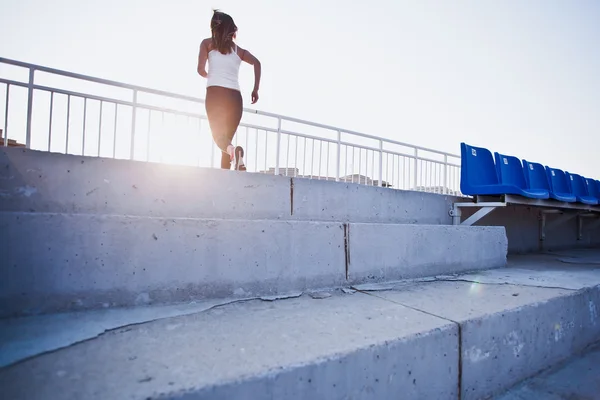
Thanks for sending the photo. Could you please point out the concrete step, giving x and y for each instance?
(34, 181)
(441, 339)
(61, 262)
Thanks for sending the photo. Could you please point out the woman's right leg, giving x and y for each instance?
(224, 111)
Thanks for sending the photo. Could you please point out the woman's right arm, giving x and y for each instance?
(202, 57)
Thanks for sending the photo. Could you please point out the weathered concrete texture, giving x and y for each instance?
(382, 345)
(35, 181)
(508, 333)
(350, 346)
(525, 341)
(347, 202)
(24, 337)
(58, 262)
(386, 252)
(578, 379)
(522, 229)
(553, 273)
(68, 262)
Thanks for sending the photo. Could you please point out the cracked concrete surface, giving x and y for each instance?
(22, 338)
(537, 270)
(297, 348)
(519, 319)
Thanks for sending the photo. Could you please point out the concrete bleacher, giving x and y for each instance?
(467, 336)
(123, 233)
(563, 204)
(126, 279)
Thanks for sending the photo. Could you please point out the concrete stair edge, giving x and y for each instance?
(62, 262)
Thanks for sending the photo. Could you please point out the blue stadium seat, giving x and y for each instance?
(593, 188)
(579, 189)
(536, 178)
(510, 173)
(559, 187)
(478, 174)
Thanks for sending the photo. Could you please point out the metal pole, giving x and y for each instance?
(115, 131)
(312, 159)
(29, 107)
(339, 155)
(320, 156)
(304, 158)
(68, 118)
(445, 174)
(100, 127)
(373, 165)
(277, 150)
(416, 167)
(134, 112)
(380, 163)
(50, 122)
(83, 134)
(6, 116)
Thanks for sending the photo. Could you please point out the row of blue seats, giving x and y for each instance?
(480, 175)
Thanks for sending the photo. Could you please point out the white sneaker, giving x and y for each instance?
(239, 159)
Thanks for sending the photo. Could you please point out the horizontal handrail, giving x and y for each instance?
(100, 80)
(203, 116)
(200, 100)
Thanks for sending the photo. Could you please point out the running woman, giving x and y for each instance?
(223, 98)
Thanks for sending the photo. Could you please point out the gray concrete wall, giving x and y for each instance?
(525, 341)
(346, 202)
(34, 181)
(511, 330)
(389, 252)
(58, 262)
(522, 229)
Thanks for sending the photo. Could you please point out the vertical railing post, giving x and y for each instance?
(29, 107)
(50, 122)
(445, 174)
(339, 156)
(380, 163)
(6, 115)
(278, 148)
(133, 115)
(415, 169)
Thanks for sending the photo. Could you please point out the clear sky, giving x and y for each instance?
(516, 76)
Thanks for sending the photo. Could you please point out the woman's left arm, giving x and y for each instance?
(252, 60)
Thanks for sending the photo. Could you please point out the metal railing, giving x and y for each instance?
(66, 112)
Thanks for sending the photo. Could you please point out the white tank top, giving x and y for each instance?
(223, 69)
